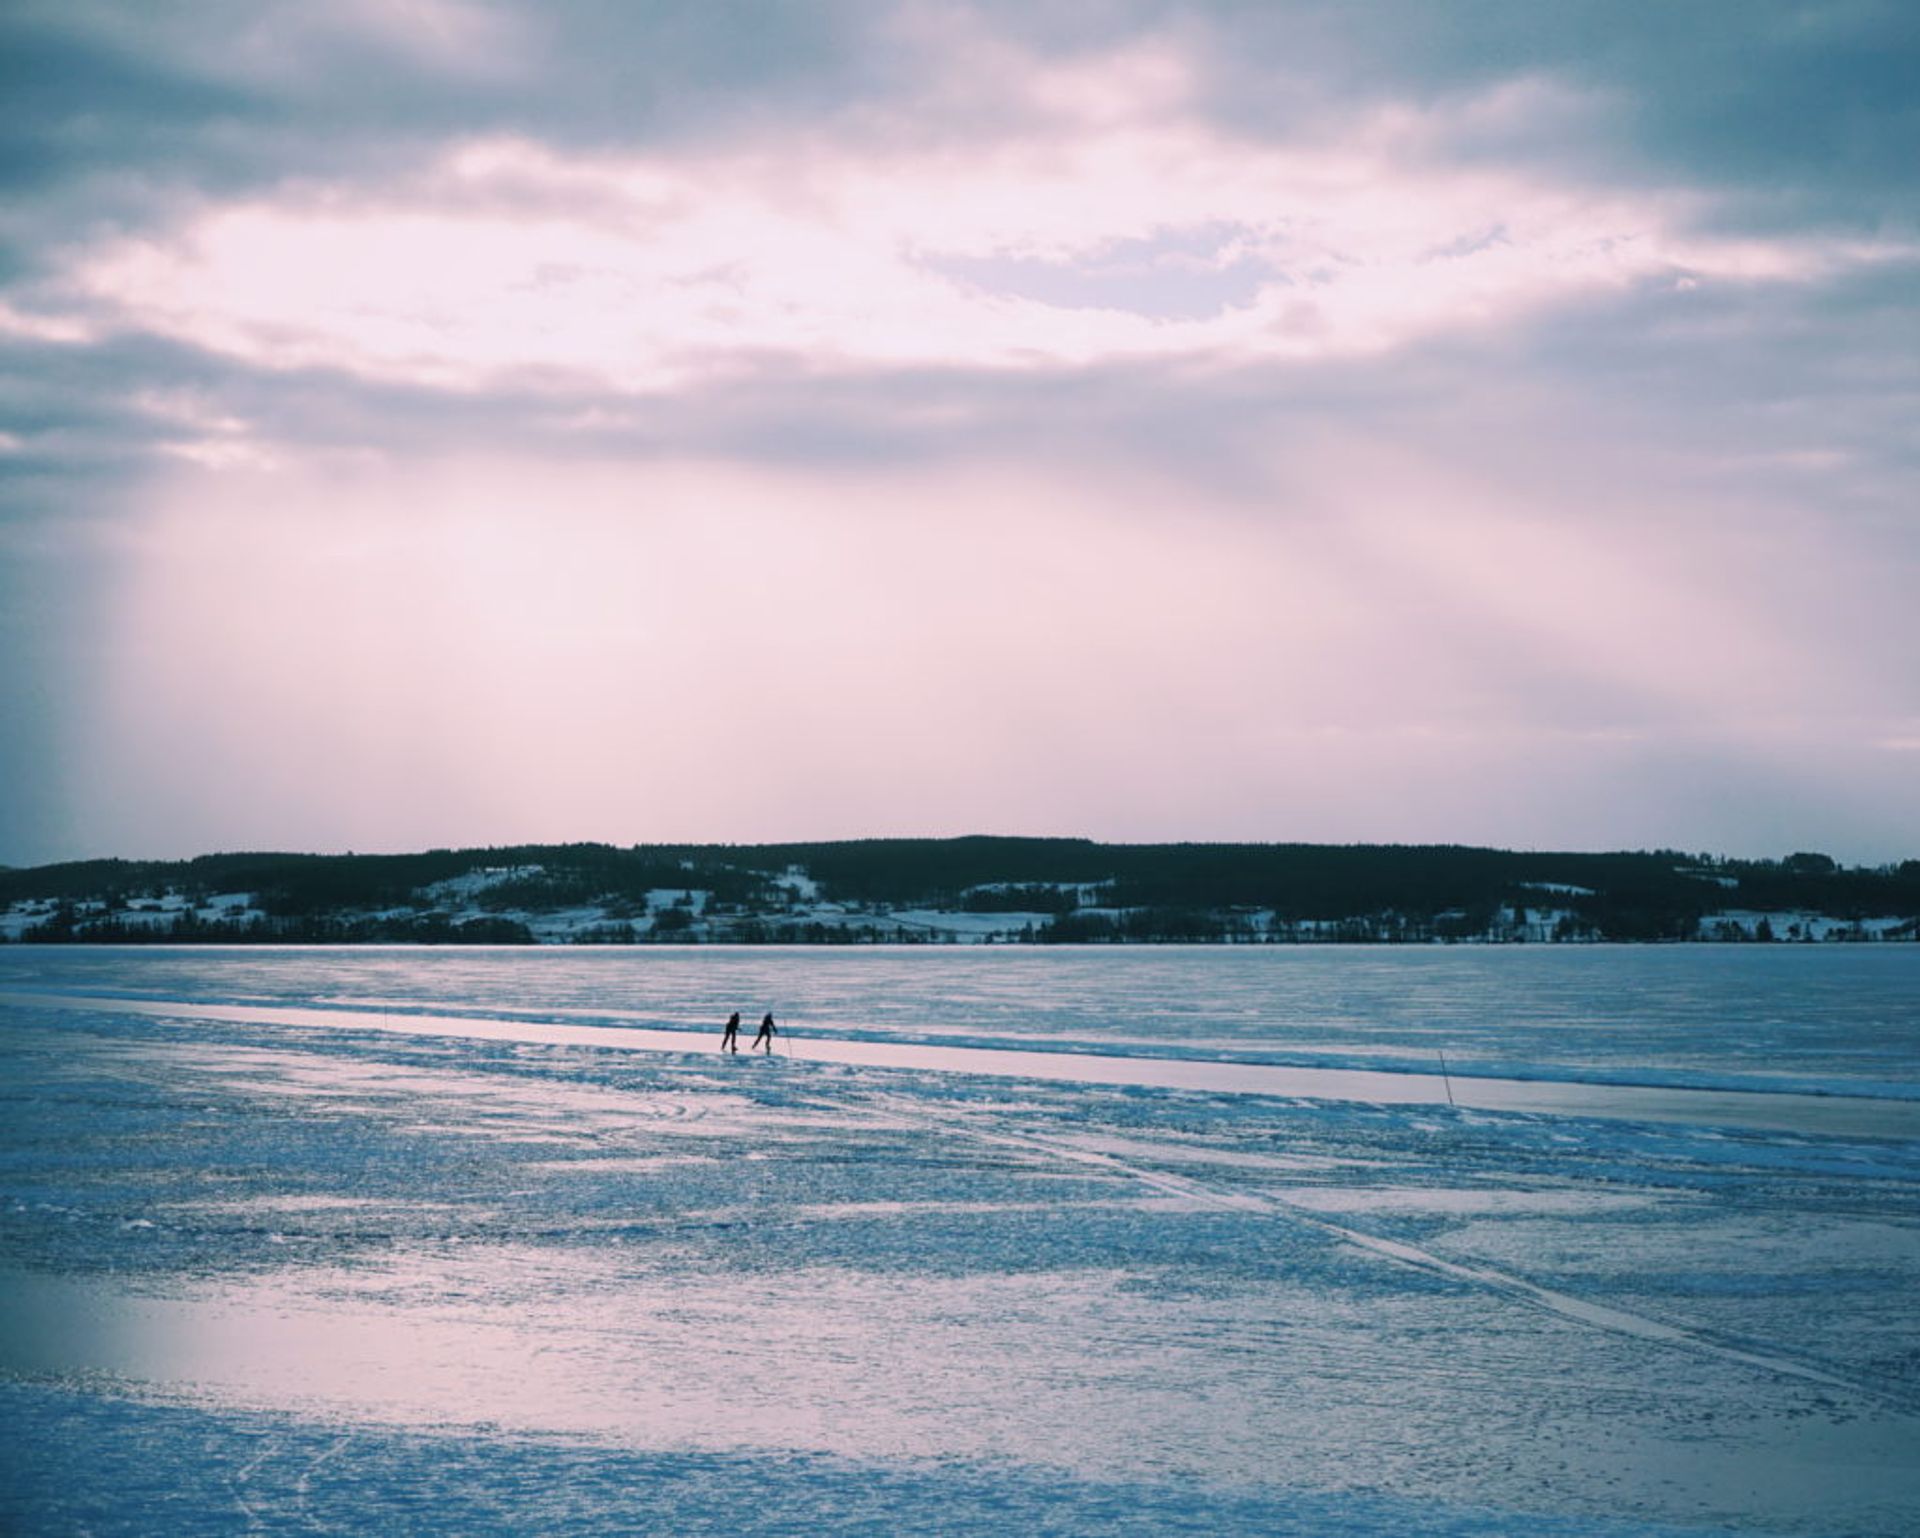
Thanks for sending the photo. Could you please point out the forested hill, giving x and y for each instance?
(962, 889)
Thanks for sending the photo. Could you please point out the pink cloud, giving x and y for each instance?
(639, 272)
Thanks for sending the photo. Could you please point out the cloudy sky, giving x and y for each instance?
(449, 421)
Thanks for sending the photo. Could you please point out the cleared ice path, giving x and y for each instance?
(1841, 1115)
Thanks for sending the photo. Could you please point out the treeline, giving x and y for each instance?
(1077, 890)
(294, 885)
(1648, 892)
(68, 923)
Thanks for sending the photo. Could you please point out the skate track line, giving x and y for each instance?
(1594, 1315)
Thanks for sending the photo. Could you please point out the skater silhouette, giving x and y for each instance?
(768, 1030)
(730, 1037)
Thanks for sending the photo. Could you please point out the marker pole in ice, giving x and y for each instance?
(1446, 1079)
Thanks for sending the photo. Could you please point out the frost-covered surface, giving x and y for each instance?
(1842, 1018)
(279, 1278)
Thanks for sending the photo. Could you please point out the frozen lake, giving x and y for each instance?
(1010, 1240)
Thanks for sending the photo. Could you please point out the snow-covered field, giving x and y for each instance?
(467, 1241)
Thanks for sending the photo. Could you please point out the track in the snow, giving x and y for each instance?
(1595, 1315)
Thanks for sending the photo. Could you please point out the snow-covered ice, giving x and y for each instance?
(267, 1261)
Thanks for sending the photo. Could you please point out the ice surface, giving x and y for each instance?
(1884, 1114)
(259, 1274)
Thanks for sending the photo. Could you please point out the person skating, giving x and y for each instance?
(768, 1030)
(730, 1038)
